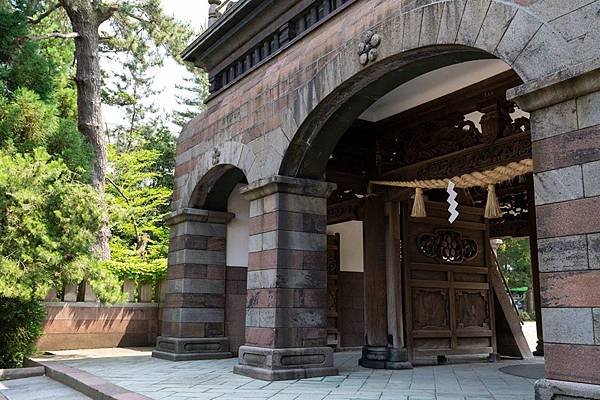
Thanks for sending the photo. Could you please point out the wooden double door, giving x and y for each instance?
(448, 299)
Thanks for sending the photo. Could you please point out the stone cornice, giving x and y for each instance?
(197, 215)
(286, 184)
(565, 85)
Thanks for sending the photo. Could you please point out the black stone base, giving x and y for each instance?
(186, 349)
(283, 364)
(548, 389)
(384, 358)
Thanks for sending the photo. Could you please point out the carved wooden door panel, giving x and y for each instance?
(446, 273)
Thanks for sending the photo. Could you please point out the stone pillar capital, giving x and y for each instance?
(572, 83)
(287, 184)
(197, 215)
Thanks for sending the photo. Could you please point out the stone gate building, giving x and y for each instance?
(313, 100)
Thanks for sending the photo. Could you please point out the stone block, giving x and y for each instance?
(287, 278)
(520, 31)
(190, 256)
(497, 21)
(572, 362)
(596, 313)
(567, 253)
(558, 185)
(578, 147)
(591, 178)
(548, 389)
(413, 21)
(588, 110)
(193, 315)
(204, 286)
(450, 21)
(70, 292)
(432, 17)
(474, 14)
(568, 325)
(554, 120)
(186, 349)
(285, 364)
(146, 292)
(570, 289)
(568, 218)
(593, 243)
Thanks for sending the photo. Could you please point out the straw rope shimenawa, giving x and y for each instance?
(486, 178)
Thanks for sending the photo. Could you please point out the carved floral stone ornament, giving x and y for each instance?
(448, 246)
(216, 157)
(367, 48)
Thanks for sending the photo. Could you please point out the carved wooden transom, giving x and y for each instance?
(447, 246)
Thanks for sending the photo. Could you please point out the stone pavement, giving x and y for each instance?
(208, 380)
(38, 388)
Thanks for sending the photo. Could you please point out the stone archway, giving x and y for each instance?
(194, 314)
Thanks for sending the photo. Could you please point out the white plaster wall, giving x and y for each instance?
(351, 244)
(432, 85)
(237, 229)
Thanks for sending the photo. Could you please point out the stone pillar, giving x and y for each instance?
(193, 317)
(286, 316)
(565, 117)
(379, 350)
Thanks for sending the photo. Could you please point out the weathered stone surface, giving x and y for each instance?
(568, 325)
(432, 17)
(287, 278)
(412, 28)
(497, 21)
(189, 285)
(548, 389)
(571, 289)
(591, 178)
(558, 185)
(472, 19)
(596, 313)
(520, 31)
(568, 149)
(451, 18)
(193, 315)
(568, 218)
(196, 257)
(593, 242)
(568, 253)
(572, 362)
(554, 120)
(588, 110)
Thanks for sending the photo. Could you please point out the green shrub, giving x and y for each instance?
(21, 321)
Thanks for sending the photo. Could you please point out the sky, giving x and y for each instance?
(194, 12)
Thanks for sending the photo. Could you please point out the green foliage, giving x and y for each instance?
(21, 321)
(48, 222)
(138, 202)
(514, 257)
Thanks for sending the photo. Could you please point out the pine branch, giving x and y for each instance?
(59, 35)
(42, 16)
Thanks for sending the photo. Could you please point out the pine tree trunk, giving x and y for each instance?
(85, 20)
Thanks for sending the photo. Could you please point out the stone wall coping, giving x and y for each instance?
(548, 389)
(198, 215)
(93, 304)
(567, 84)
(287, 184)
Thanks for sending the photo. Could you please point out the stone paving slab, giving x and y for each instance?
(38, 388)
(207, 380)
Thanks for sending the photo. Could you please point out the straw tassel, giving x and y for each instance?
(418, 210)
(492, 208)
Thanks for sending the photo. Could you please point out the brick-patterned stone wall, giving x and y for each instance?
(70, 326)
(235, 307)
(287, 278)
(286, 315)
(566, 151)
(193, 314)
(252, 123)
(351, 306)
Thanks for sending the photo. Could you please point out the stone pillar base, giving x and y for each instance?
(384, 358)
(282, 364)
(548, 389)
(185, 349)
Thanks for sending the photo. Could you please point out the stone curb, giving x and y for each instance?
(18, 373)
(86, 383)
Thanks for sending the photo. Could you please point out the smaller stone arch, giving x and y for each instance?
(213, 190)
(214, 165)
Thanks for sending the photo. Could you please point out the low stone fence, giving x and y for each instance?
(71, 324)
